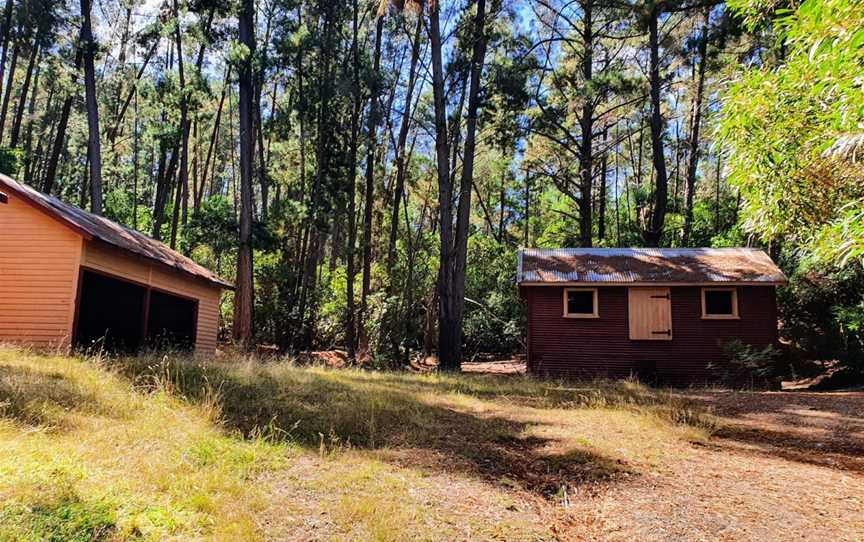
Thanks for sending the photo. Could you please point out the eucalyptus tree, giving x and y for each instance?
(244, 293)
(94, 145)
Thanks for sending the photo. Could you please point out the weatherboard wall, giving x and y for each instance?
(559, 346)
(39, 260)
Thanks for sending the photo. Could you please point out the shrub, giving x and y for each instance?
(822, 316)
(746, 363)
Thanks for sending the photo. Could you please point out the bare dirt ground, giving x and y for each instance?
(786, 466)
(780, 466)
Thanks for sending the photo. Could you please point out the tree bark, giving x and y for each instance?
(586, 123)
(351, 335)
(244, 294)
(263, 181)
(183, 179)
(601, 207)
(135, 164)
(60, 138)
(400, 156)
(112, 134)
(7, 27)
(212, 143)
(13, 62)
(454, 248)
(448, 341)
(693, 141)
(94, 147)
(369, 189)
(654, 232)
(29, 158)
(22, 97)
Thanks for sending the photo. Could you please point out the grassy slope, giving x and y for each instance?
(149, 448)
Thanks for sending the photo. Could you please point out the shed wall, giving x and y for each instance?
(601, 347)
(39, 260)
(112, 261)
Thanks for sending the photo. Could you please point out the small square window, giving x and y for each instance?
(719, 303)
(580, 303)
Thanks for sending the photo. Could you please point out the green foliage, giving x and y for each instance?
(822, 313)
(10, 160)
(332, 312)
(746, 364)
(781, 124)
(213, 225)
(494, 314)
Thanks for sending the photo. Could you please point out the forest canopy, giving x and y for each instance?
(365, 171)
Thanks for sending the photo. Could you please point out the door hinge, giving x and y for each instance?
(667, 332)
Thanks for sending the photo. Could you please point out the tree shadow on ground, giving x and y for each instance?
(330, 409)
(822, 429)
(44, 399)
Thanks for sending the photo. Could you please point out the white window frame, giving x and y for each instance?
(733, 316)
(594, 314)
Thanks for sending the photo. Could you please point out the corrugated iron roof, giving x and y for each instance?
(653, 265)
(96, 227)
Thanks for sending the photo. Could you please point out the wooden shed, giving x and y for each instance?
(67, 275)
(661, 314)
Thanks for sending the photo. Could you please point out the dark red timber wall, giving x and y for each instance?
(573, 347)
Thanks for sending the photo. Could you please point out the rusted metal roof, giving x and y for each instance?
(91, 226)
(647, 265)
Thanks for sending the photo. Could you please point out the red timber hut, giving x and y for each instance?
(661, 314)
(69, 276)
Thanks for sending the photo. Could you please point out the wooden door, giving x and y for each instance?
(650, 312)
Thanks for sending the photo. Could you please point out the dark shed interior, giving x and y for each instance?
(121, 316)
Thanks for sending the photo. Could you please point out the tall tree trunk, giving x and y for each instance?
(693, 141)
(135, 164)
(7, 28)
(323, 160)
(448, 341)
(654, 232)
(183, 179)
(212, 144)
(369, 188)
(502, 199)
(263, 181)
(717, 193)
(350, 327)
(165, 177)
(29, 158)
(13, 62)
(601, 213)
(454, 247)
(400, 156)
(94, 147)
(244, 294)
(463, 217)
(197, 188)
(60, 139)
(617, 194)
(112, 134)
(527, 241)
(586, 123)
(22, 97)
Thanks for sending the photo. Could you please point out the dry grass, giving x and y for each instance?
(173, 448)
(83, 456)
